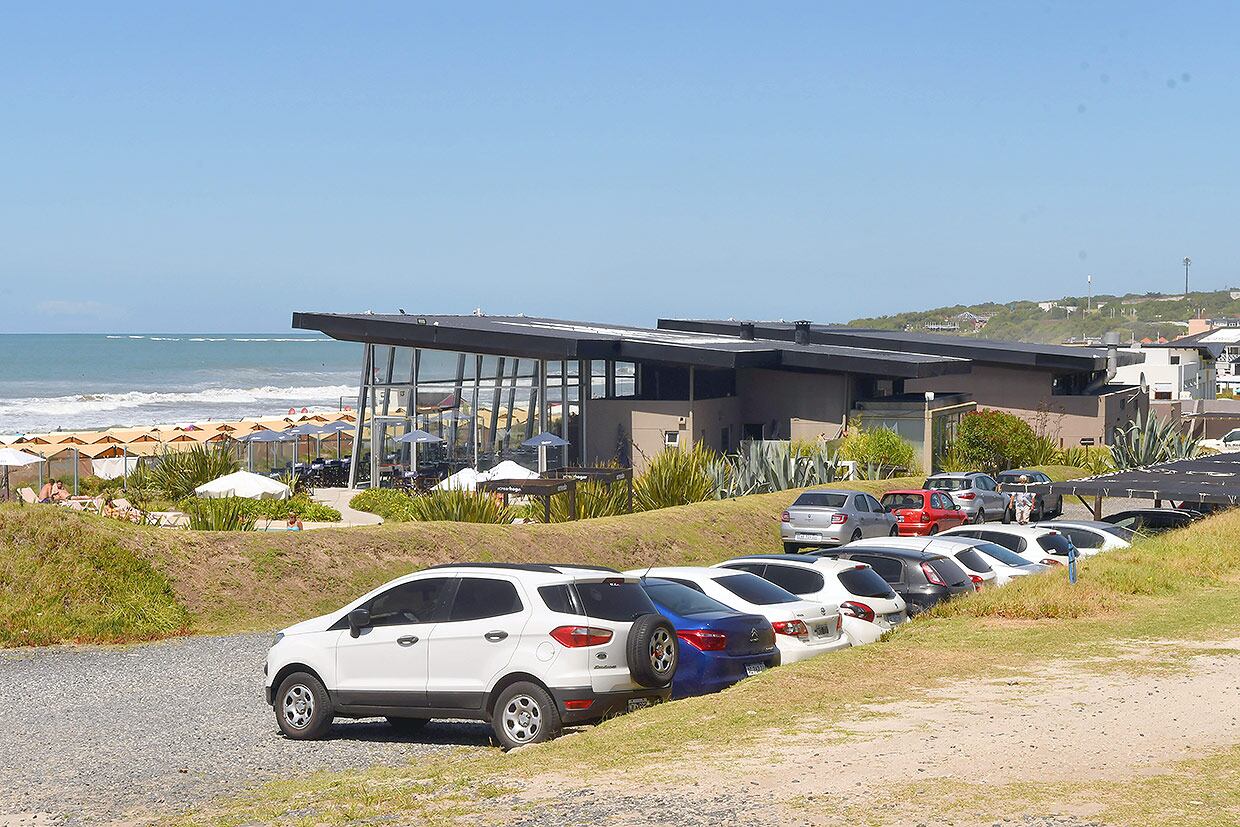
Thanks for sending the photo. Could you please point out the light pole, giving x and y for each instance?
(1188, 262)
(1089, 302)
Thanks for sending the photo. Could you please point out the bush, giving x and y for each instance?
(392, 505)
(676, 477)
(227, 514)
(993, 441)
(594, 499)
(461, 507)
(878, 448)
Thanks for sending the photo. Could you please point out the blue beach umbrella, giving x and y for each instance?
(263, 436)
(417, 437)
(542, 442)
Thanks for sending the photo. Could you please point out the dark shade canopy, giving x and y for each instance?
(1212, 479)
(267, 436)
(338, 426)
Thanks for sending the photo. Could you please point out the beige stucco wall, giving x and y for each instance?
(802, 405)
(1026, 392)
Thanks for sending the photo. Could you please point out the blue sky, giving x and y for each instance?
(215, 167)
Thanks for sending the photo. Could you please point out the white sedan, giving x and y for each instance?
(1091, 537)
(868, 603)
(1035, 544)
(803, 628)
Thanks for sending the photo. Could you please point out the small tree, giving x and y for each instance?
(877, 448)
(994, 441)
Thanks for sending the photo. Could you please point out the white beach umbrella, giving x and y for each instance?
(244, 484)
(508, 470)
(464, 480)
(13, 458)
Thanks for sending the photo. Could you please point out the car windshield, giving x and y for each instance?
(753, 589)
(1055, 544)
(949, 484)
(682, 600)
(899, 501)
(614, 600)
(1005, 556)
(817, 499)
(863, 581)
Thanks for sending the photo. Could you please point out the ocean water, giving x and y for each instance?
(79, 381)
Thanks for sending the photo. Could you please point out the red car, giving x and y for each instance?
(920, 512)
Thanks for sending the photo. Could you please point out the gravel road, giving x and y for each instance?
(92, 735)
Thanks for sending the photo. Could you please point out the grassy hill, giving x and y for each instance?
(1133, 315)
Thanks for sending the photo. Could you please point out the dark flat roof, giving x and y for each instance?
(529, 337)
(985, 351)
(1212, 479)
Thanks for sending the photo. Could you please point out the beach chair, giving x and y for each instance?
(27, 495)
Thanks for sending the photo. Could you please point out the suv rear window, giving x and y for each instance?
(558, 599)
(753, 589)
(1055, 544)
(865, 583)
(820, 500)
(951, 573)
(614, 600)
(682, 600)
(949, 484)
(973, 561)
(896, 501)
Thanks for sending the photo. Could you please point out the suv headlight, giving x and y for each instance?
(279, 637)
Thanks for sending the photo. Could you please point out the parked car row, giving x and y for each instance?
(532, 648)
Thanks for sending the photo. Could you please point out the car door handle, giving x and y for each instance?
(495, 637)
(407, 640)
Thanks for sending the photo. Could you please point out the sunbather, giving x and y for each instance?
(53, 491)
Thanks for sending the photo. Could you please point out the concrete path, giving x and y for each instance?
(338, 498)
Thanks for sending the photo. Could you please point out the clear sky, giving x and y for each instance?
(215, 167)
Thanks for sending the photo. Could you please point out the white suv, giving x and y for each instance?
(528, 648)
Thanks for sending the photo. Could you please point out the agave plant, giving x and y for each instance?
(1151, 441)
(176, 474)
(761, 467)
(228, 514)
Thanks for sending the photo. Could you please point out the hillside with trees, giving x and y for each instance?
(1134, 316)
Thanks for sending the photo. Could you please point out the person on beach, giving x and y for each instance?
(53, 491)
(1024, 503)
(294, 522)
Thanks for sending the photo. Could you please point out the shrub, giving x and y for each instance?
(227, 514)
(175, 474)
(994, 441)
(392, 505)
(1094, 459)
(878, 448)
(461, 507)
(594, 499)
(301, 505)
(676, 477)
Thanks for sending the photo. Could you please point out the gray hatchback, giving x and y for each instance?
(825, 517)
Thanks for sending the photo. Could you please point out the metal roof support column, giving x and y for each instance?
(564, 410)
(356, 455)
(413, 405)
(512, 401)
(457, 388)
(473, 413)
(585, 382)
(496, 400)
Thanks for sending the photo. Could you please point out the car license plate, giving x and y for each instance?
(802, 536)
(894, 618)
(638, 703)
(823, 630)
(752, 669)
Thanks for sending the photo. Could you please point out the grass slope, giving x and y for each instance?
(66, 576)
(1136, 594)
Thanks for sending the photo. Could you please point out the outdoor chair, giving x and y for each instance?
(28, 496)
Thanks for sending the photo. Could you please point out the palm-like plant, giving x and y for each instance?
(676, 477)
(460, 506)
(228, 514)
(1151, 441)
(176, 474)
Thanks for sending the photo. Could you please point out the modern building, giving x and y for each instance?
(1181, 369)
(486, 384)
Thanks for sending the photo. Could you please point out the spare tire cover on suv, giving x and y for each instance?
(653, 651)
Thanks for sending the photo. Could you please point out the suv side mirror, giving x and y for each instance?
(358, 619)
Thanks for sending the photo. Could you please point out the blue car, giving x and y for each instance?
(718, 645)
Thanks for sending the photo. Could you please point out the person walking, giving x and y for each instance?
(1024, 503)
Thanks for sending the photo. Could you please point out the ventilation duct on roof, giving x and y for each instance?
(800, 332)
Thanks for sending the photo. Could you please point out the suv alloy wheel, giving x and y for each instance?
(303, 708)
(525, 714)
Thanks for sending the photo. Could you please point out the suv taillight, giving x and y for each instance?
(932, 575)
(837, 519)
(859, 610)
(785, 517)
(704, 639)
(577, 636)
(977, 581)
(792, 628)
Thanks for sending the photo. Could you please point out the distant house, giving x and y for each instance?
(969, 319)
(943, 327)
(1047, 307)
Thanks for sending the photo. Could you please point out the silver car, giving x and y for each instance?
(975, 493)
(833, 518)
